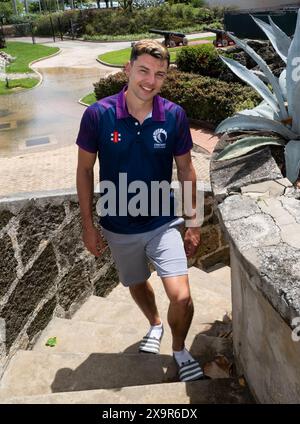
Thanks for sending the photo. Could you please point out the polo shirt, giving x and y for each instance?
(143, 152)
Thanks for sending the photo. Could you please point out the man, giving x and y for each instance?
(137, 134)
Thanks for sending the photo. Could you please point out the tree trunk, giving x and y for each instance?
(26, 5)
(14, 3)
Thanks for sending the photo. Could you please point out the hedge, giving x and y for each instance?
(121, 22)
(204, 59)
(203, 98)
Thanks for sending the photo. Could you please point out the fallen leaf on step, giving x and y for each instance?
(51, 342)
(220, 367)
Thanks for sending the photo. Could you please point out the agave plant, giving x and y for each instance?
(276, 120)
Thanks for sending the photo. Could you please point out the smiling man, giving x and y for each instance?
(137, 134)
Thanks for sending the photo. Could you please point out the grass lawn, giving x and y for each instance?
(26, 53)
(89, 99)
(16, 84)
(120, 57)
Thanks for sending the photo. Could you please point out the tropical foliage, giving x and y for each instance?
(277, 118)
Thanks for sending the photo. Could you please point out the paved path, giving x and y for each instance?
(54, 167)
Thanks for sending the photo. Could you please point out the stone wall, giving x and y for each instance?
(259, 211)
(213, 248)
(45, 270)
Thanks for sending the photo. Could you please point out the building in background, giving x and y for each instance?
(253, 4)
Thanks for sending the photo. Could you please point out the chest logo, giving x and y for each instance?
(115, 137)
(160, 137)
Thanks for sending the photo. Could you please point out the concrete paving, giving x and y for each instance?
(52, 166)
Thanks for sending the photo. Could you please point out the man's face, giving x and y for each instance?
(146, 75)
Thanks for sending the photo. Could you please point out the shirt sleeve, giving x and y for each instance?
(183, 142)
(88, 136)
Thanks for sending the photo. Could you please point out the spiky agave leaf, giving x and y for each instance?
(296, 108)
(283, 41)
(267, 71)
(279, 40)
(292, 67)
(263, 109)
(292, 159)
(246, 145)
(244, 122)
(282, 83)
(244, 74)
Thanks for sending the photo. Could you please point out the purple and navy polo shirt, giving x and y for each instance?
(144, 151)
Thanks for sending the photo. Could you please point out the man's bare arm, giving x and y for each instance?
(85, 189)
(186, 172)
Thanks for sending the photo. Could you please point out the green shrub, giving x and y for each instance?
(110, 85)
(203, 98)
(121, 22)
(89, 29)
(197, 3)
(204, 59)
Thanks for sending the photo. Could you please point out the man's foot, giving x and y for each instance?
(151, 342)
(188, 368)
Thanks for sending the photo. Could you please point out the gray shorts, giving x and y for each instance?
(162, 246)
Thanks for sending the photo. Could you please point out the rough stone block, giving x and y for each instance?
(31, 288)
(74, 286)
(37, 225)
(104, 285)
(254, 231)
(69, 243)
(231, 175)
(263, 189)
(290, 235)
(5, 217)
(8, 264)
(210, 241)
(236, 207)
(292, 205)
(42, 318)
(274, 208)
(220, 256)
(280, 268)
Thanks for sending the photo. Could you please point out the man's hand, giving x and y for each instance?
(191, 241)
(93, 241)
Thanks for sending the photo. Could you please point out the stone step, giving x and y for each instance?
(36, 373)
(89, 337)
(206, 310)
(219, 391)
(211, 296)
(217, 281)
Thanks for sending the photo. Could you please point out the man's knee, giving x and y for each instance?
(182, 300)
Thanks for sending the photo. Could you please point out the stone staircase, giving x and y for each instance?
(96, 357)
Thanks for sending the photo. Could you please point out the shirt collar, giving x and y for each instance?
(158, 113)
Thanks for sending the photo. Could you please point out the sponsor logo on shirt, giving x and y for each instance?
(160, 137)
(115, 137)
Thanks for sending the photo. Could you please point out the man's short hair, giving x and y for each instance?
(151, 47)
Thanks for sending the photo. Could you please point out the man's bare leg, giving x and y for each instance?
(181, 309)
(144, 297)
